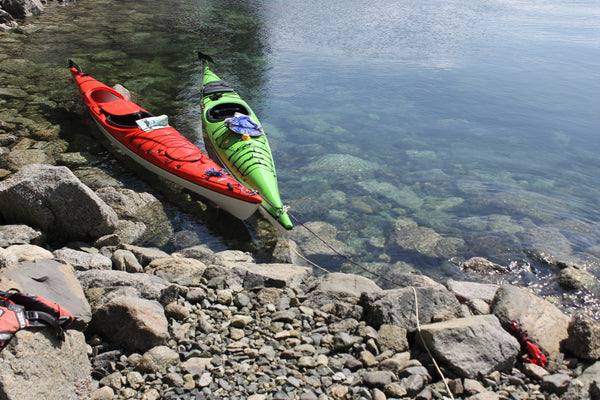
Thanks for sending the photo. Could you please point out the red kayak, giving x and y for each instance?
(151, 142)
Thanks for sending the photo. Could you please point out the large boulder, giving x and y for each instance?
(543, 321)
(23, 8)
(54, 200)
(136, 324)
(6, 21)
(399, 306)
(472, 346)
(36, 365)
(53, 281)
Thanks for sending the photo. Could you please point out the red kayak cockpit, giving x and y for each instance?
(119, 111)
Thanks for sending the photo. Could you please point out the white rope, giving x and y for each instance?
(425, 345)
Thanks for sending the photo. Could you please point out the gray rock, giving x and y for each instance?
(149, 286)
(182, 271)
(54, 200)
(392, 337)
(556, 383)
(406, 234)
(158, 359)
(7, 258)
(572, 278)
(137, 324)
(36, 365)
(544, 322)
(339, 287)
(23, 8)
(584, 337)
(378, 379)
(125, 260)
(20, 234)
(29, 252)
(53, 281)
(145, 255)
(397, 306)
(6, 24)
(270, 275)
(20, 158)
(472, 346)
(482, 265)
(469, 291)
(81, 260)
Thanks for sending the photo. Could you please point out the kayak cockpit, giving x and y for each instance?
(119, 111)
(222, 111)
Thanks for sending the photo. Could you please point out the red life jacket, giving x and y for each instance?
(533, 354)
(20, 310)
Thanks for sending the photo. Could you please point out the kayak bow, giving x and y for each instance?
(158, 147)
(236, 140)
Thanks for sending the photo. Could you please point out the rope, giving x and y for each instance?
(425, 345)
(362, 267)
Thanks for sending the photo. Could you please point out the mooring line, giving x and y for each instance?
(362, 267)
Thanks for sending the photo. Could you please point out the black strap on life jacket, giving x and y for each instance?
(20, 311)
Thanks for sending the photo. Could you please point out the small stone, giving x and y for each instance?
(339, 391)
(236, 334)
(151, 394)
(557, 383)
(367, 359)
(378, 378)
(307, 362)
(135, 380)
(241, 321)
(104, 393)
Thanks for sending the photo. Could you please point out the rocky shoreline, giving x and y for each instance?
(204, 324)
(198, 324)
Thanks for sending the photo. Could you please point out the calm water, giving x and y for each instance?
(476, 120)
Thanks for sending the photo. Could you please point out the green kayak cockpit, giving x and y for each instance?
(222, 111)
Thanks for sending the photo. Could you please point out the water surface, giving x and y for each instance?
(476, 124)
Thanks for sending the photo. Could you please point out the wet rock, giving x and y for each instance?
(472, 346)
(572, 278)
(95, 178)
(407, 235)
(53, 281)
(397, 306)
(36, 364)
(19, 158)
(544, 322)
(137, 324)
(482, 265)
(53, 199)
(315, 249)
(584, 337)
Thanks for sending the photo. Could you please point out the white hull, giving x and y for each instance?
(238, 208)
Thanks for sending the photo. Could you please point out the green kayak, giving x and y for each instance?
(235, 139)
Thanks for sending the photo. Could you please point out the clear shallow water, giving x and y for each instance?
(476, 122)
